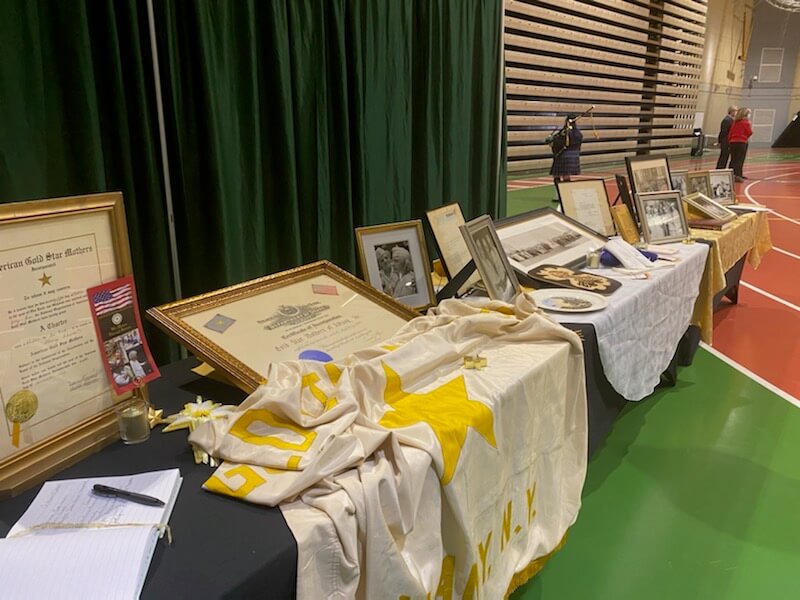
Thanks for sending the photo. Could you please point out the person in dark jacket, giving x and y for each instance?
(722, 138)
(566, 146)
(738, 137)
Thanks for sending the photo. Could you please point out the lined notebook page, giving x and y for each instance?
(72, 501)
(79, 564)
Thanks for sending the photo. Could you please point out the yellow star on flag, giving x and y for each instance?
(45, 279)
(447, 410)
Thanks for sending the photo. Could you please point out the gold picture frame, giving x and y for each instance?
(400, 247)
(663, 217)
(56, 405)
(241, 329)
(723, 190)
(698, 182)
(586, 201)
(709, 208)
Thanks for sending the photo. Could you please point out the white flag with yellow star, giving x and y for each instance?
(401, 473)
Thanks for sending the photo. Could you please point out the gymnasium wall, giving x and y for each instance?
(637, 61)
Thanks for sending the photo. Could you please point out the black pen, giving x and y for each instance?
(105, 490)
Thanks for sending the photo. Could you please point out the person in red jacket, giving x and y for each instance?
(740, 133)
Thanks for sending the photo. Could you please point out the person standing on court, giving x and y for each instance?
(740, 133)
(722, 138)
(566, 146)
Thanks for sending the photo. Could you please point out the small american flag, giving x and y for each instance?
(110, 300)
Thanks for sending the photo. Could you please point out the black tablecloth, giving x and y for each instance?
(222, 548)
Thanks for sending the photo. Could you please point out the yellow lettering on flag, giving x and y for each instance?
(447, 410)
(252, 480)
(506, 533)
(471, 589)
(483, 551)
(310, 381)
(241, 430)
(531, 493)
(445, 588)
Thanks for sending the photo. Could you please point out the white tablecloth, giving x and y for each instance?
(639, 331)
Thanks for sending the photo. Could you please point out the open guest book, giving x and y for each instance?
(73, 543)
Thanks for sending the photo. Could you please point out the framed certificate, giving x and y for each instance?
(57, 403)
(445, 223)
(315, 311)
(586, 201)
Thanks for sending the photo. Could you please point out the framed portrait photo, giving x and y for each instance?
(648, 173)
(722, 190)
(586, 201)
(709, 208)
(698, 182)
(315, 311)
(56, 402)
(678, 179)
(394, 260)
(663, 218)
(445, 223)
(545, 236)
(496, 273)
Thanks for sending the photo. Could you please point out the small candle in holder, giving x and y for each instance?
(132, 420)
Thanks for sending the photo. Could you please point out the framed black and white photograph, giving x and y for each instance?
(698, 182)
(545, 236)
(394, 260)
(663, 218)
(678, 179)
(721, 182)
(649, 173)
(709, 208)
(586, 201)
(496, 273)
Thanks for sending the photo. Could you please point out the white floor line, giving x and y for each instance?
(757, 378)
(754, 201)
(770, 296)
(782, 251)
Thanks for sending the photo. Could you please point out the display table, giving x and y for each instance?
(639, 332)
(748, 237)
(222, 548)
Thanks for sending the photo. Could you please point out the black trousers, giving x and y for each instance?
(738, 154)
(724, 154)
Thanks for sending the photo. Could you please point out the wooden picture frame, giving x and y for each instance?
(496, 273)
(57, 407)
(586, 201)
(663, 217)
(709, 208)
(546, 236)
(648, 173)
(394, 259)
(241, 329)
(722, 186)
(698, 182)
(445, 223)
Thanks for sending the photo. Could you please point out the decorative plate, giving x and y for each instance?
(562, 300)
(564, 277)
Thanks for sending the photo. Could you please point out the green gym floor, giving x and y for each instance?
(693, 493)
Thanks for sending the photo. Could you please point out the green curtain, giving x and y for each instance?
(77, 116)
(290, 123)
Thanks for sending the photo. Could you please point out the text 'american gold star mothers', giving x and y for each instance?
(448, 412)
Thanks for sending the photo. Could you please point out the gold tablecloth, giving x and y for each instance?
(749, 233)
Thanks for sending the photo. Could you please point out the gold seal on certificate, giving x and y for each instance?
(20, 408)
